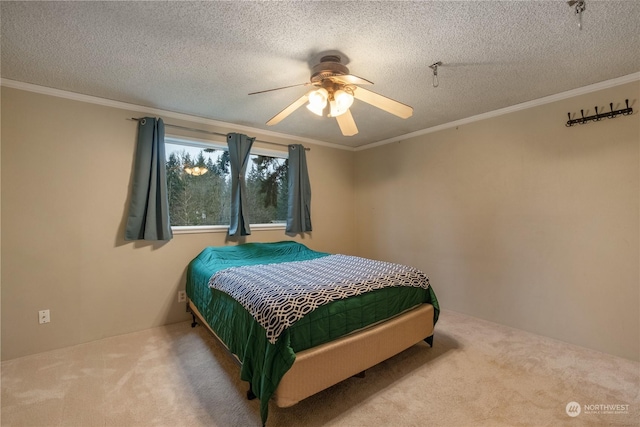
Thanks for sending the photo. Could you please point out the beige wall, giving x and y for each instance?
(66, 168)
(518, 219)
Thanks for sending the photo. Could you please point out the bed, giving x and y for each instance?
(293, 346)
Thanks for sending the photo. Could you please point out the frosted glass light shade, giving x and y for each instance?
(317, 101)
(341, 103)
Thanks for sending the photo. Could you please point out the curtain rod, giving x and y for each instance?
(216, 133)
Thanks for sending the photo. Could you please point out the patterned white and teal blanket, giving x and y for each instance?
(277, 295)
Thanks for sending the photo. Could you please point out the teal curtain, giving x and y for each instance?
(239, 149)
(149, 208)
(299, 211)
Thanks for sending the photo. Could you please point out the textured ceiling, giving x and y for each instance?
(203, 58)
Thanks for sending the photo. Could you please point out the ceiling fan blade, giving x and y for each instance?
(278, 88)
(290, 109)
(387, 104)
(347, 124)
(351, 79)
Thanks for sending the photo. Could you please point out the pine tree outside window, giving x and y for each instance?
(199, 186)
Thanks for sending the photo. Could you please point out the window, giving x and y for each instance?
(199, 186)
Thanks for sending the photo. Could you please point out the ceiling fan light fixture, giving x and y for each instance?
(333, 85)
(341, 102)
(318, 101)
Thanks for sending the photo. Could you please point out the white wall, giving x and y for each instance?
(518, 219)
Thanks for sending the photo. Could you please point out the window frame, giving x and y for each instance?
(222, 145)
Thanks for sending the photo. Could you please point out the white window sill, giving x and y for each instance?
(193, 229)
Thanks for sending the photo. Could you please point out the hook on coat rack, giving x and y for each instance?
(600, 115)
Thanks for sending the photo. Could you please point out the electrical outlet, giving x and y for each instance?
(44, 316)
(182, 296)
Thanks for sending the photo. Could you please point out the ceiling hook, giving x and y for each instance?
(434, 67)
(580, 7)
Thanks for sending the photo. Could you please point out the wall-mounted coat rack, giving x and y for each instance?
(599, 116)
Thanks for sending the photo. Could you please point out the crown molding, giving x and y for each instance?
(44, 90)
(518, 107)
(196, 119)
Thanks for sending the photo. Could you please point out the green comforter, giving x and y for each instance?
(263, 363)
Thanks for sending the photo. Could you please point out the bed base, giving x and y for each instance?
(320, 367)
(429, 340)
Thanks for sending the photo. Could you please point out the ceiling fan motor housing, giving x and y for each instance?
(329, 66)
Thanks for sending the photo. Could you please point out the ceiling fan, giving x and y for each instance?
(334, 91)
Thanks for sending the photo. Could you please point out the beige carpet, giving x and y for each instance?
(477, 374)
